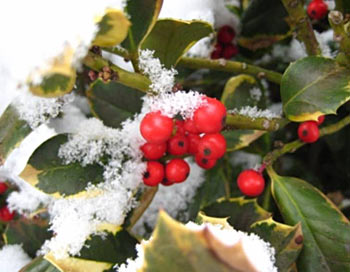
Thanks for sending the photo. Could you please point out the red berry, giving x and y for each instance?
(317, 9)
(212, 146)
(180, 127)
(154, 173)
(308, 132)
(156, 128)
(3, 187)
(177, 170)
(166, 182)
(217, 52)
(229, 51)
(226, 34)
(251, 182)
(190, 126)
(153, 151)
(193, 141)
(5, 214)
(210, 117)
(178, 145)
(320, 120)
(204, 162)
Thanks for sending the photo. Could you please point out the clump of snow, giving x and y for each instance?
(255, 93)
(245, 160)
(173, 199)
(254, 112)
(37, 110)
(260, 253)
(13, 258)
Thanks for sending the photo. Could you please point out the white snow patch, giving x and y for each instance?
(245, 160)
(13, 258)
(254, 112)
(255, 93)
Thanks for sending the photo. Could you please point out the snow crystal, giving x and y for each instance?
(174, 199)
(162, 79)
(37, 110)
(259, 252)
(13, 258)
(255, 93)
(254, 112)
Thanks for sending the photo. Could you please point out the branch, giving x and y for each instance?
(230, 66)
(299, 20)
(293, 146)
(245, 122)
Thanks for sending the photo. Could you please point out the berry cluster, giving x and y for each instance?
(225, 48)
(199, 136)
(317, 9)
(5, 214)
(308, 131)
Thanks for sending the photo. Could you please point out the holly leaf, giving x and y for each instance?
(263, 24)
(113, 102)
(143, 16)
(286, 240)
(171, 39)
(172, 242)
(39, 264)
(12, 132)
(237, 139)
(31, 233)
(49, 173)
(202, 218)
(241, 213)
(326, 230)
(113, 28)
(314, 86)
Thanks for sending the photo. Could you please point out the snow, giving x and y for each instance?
(255, 93)
(245, 160)
(254, 112)
(13, 258)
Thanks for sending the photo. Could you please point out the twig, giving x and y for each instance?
(245, 122)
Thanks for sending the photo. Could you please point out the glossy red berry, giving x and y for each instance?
(156, 128)
(178, 145)
(166, 182)
(193, 141)
(153, 151)
(3, 187)
(5, 214)
(251, 183)
(154, 173)
(226, 34)
(177, 170)
(320, 120)
(210, 117)
(229, 51)
(212, 146)
(204, 162)
(308, 132)
(190, 126)
(180, 127)
(217, 52)
(317, 9)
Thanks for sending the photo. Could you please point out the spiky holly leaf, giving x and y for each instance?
(143, 16)
(241, 213)
(31, 233)
(286, 240)
(50, 174)
(264, 22)
(12, 132)
(202, 218)
(113, 102)
(174, 247)
(113, 28)
(314, 86)
(326, 230)
(171, 39)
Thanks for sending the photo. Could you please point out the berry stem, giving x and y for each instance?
(227, 184)
(262, 168)
(293, 146)
(299, 21)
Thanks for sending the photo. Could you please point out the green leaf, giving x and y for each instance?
(202, 218)
(31, 233)
(113, 102)
(39, 264)
(12, 132)
(326, 230)
(48, 173)
(286, 240)
(237, 139)
(314, 86)
(175, 247)
(143, 16)
(241, 213)
(263, 23)
(171, 39)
